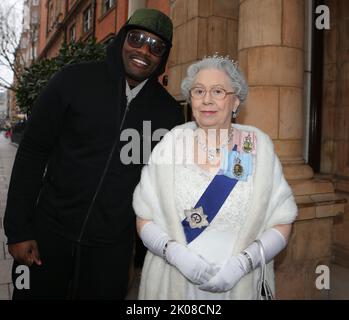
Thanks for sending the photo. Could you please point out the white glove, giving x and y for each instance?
(273, 242)
(238, 266)
(190, 264)
(154, 238)
(228, 276)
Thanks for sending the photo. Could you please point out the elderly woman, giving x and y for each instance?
(203, 210)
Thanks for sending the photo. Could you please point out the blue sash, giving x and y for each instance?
(211, 201)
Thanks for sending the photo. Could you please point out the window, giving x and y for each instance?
(54, 14)
(34, 34)
(107, 4)
(34, 53)
(26, 18)
(24, 43)
(35, 17)
(50, 14)
(35, 2)
(72, 33)
(87, 19)
(28, 56)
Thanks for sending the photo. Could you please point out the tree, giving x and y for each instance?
(35, 77)
(10, 56)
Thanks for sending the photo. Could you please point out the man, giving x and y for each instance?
(69, 214)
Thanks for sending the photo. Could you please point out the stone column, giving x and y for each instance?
(271, 53)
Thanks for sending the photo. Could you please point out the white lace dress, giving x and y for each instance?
(217, 242)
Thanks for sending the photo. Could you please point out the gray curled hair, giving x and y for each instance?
(230, 67)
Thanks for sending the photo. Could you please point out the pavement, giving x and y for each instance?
(7, 155)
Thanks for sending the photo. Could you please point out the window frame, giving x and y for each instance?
(72, 30)
(88, 21)
(105, 9)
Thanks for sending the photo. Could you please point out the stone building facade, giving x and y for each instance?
(277, 46)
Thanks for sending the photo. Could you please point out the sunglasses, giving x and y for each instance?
(137, 39)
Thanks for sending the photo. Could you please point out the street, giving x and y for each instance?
(7, 155)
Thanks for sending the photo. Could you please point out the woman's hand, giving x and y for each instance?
(190, 264)
(228, 276)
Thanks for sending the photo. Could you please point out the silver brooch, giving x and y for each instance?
(196, 218)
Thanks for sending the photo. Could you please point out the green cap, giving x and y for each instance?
(153, 21)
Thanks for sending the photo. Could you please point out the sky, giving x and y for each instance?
(5, 72)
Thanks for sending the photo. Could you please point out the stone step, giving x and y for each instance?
(297, 171)
(311, 186)
(319, 206)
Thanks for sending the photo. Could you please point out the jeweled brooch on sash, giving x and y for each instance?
(196, 217)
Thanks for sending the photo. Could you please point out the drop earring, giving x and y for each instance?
(236, 112)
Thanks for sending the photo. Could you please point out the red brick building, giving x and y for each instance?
(72, 20)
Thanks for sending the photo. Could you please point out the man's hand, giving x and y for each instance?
(25, 252)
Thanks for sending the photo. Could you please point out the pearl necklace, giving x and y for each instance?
(211, 152)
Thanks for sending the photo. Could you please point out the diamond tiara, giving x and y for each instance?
(223, 58)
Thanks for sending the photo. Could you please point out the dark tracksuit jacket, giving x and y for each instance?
(65, 148)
